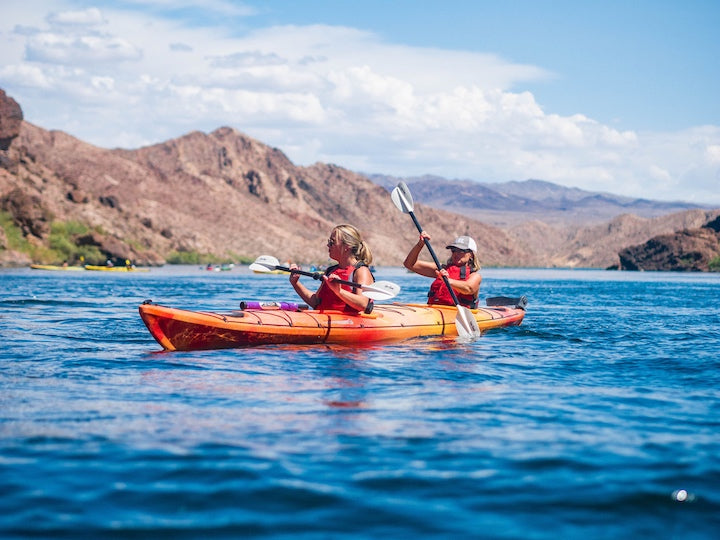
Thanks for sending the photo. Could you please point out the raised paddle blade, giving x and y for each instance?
(264, 263)
(466, 324)
(402, 198)
(381, 290)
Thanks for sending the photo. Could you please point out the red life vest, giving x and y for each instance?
(439, 293)
(327, 298)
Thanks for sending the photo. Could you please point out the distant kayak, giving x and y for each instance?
(56, 267)
(100, 268)
(218, 268)
(278, 323)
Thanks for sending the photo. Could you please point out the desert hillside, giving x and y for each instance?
(220, 193)
(225, 196)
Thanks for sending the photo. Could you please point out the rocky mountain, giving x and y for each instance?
(555, 225)
(505, 204)
(696, 250)
(598, 246)
(11, 118)
(223, 196)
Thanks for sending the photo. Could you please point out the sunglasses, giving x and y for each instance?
(331, 242)
(458, 250)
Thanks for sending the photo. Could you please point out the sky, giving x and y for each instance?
(615, 96)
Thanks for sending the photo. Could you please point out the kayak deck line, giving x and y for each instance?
(181, 329)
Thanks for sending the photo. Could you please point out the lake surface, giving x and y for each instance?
(599, 417)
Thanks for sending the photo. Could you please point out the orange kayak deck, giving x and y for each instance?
(184, 330)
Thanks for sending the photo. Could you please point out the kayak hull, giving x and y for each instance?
(97, 268)
(56, 267)
(184, 330)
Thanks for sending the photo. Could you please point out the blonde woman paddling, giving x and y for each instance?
(353, 256)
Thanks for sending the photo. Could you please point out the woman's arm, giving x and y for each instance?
(423, 268)
(308, 296)
(471, 285)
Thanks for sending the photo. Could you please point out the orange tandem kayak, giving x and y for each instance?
(184, 330)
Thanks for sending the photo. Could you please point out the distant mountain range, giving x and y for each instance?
(510, 203)
(223, 196)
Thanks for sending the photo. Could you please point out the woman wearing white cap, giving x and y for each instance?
(462, 270)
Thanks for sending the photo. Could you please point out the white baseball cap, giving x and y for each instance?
(464, 242)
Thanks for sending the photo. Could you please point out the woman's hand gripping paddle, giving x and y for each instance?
(467, 326)
(380, 290)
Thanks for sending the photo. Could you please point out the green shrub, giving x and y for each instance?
(715, 264)
(90, 255)
(67, 228)
(61, 246)
(193, 257)
(186, 257)
(15, 239)
(62, 243)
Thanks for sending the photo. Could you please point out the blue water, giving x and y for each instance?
(599, 417)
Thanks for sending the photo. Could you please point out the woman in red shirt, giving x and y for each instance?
(462, 270)
(353, 257)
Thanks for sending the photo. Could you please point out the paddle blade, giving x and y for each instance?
(402, 198)
(520, 302)
(381, 290)
(264, 263)
(467, 326)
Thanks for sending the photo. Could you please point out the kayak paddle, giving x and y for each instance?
(380, 290)
(467, 326)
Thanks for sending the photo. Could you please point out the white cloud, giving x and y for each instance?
(247, 59)
(330, 94)
(180, 47)
(713, 154)
(79, 50)
(24, 76)
(87, 17)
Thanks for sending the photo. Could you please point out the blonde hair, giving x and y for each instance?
(351, 237)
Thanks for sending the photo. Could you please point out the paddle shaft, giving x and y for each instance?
(437, 261)
(316, 275)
